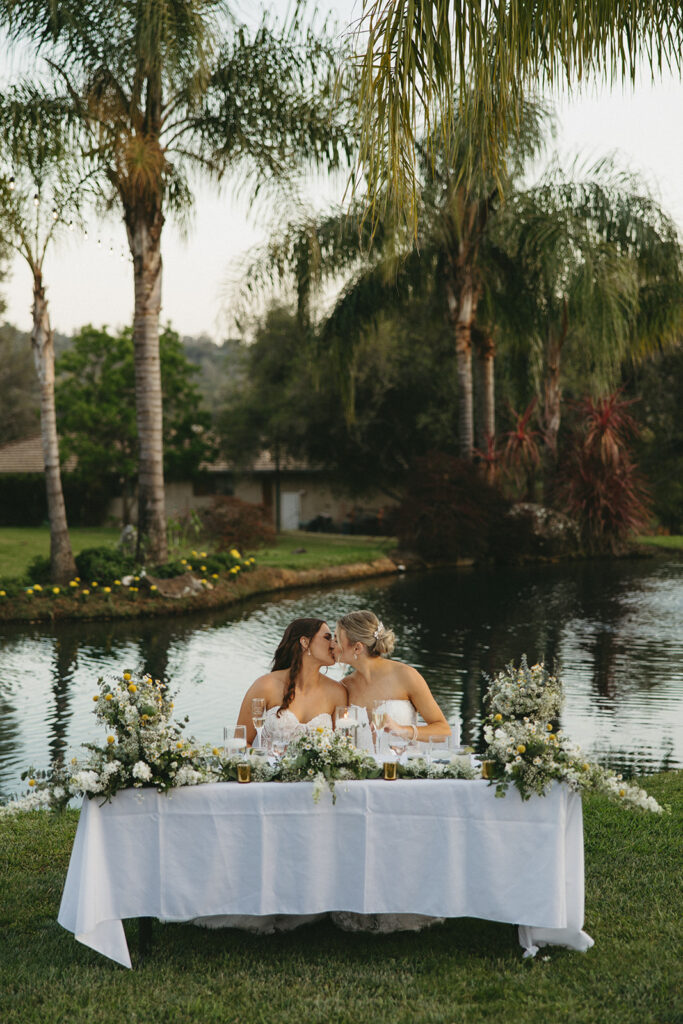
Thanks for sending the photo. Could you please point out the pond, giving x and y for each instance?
(614, 627)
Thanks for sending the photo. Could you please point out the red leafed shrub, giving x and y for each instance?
(230, 522)
(599, 484)
(449, 510)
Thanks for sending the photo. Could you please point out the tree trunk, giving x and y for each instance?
(461, 310)
(551, 413)
(62, 565)
(144, 236)
(487, 355)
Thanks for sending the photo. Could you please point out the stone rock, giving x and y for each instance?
(186, 585)
(540, 532)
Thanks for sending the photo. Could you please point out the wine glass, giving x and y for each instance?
(279, 739)
(379, 714)
(258, 717)
(398, 743)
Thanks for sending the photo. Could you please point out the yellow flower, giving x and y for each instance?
(194, 552)
(202, 568)
(55, 590)
(94, 583)
(86, 592)
(3, 593)
(183, 561)
(37, 586)
(110, 739)
(549, 727)
(29, 592)
(319, 728)
(188, 567)
(96, 697)
(179, 745)
(132, 688)
(585, 767)
(108, 696)
(498, 717)
(73, 583)
(234, 553)
(31, 782)
(153, 587)
(117, 583)
(127, 676)
(202, 554)
(106, 590)
(214, 576)
(215, 751)
(622, 792)
(521, 749)
(78, 579)
(204, 582)
(237, 568)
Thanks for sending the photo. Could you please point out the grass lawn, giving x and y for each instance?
(294, 550)
(674, 543)
(463, 972)
(19, 545)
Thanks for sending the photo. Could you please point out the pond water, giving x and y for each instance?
(615, 628)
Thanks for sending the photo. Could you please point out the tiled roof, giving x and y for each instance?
(27, 457)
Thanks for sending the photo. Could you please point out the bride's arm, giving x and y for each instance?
(421, 697)
(261, 687)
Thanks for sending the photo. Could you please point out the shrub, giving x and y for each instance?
(104, 564)
(599, 484)
(230, 522)
(450, 511)
(39, 570)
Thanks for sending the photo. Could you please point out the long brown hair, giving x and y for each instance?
(290, 653)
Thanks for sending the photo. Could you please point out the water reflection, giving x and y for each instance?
(615, 628)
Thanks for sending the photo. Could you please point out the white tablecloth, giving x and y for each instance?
(446, 848)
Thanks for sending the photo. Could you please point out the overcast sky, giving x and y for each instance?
(90, 284)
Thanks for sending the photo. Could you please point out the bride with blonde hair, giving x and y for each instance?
(364, 643)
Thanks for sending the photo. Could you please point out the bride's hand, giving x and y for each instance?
(390, 725)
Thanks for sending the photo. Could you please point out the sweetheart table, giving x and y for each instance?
(443, 848)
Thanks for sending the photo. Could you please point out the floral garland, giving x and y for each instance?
(147, 747)
(525, 748)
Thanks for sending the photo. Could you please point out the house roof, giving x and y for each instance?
(27, 457)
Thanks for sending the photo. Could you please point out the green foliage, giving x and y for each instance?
(18, 387)
(103, 565)
(449, 511)
(95, 396)
(23, 499)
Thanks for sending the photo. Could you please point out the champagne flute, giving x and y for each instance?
(379, 714)
(258, 717)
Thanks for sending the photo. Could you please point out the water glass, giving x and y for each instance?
(235, 740)
(346, 722)
(438, 748)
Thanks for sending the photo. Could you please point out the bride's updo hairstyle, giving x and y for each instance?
(364, 627)
(290, 653)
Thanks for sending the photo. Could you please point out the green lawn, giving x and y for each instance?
(19, 545)
(295, 550)
(674, 543)
(464, 972)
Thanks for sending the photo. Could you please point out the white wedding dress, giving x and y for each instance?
(403, 712)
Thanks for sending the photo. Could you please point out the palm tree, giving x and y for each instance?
(413, 55)
(386, 265)
(592, 255)
(165, 91)
(41, 196)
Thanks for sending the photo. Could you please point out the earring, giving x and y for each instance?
(308, 652)
(355, 655)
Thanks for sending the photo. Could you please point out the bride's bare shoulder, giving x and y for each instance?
(269, 685)
(338, 692)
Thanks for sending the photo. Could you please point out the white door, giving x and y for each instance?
(290, 510)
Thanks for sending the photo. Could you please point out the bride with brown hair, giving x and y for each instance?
(297, 694)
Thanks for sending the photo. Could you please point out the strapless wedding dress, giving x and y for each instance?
(289, 725)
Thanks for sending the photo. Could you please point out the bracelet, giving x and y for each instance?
(414, 736)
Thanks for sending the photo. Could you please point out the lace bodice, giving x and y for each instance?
(402, 711)
(290, 725)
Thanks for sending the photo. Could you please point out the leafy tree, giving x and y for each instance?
(168, 88)
(18, 386)
(95, 395)
(42, 195)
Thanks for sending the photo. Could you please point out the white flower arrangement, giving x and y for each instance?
(528, 751)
